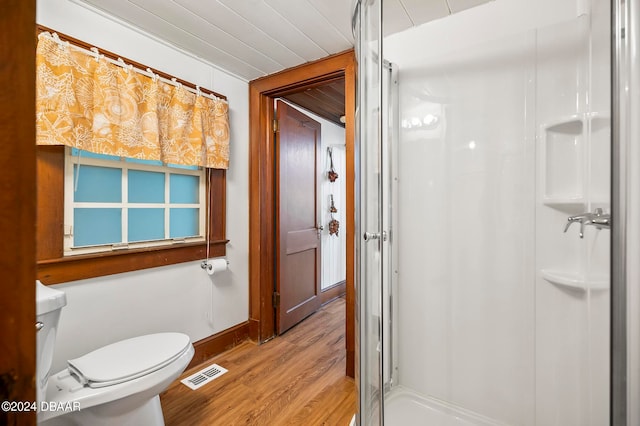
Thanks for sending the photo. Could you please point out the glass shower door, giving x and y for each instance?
(490, 328)
(370, 234)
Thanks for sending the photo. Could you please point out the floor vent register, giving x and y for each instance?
(204, 376)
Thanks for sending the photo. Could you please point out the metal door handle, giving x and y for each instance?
(369, 236)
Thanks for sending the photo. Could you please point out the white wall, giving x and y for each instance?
(334, 255)
(334, 247)
(177, 297)
(478, 326)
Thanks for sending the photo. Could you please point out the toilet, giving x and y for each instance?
(117, 384)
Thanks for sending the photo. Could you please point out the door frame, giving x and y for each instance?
(262, 191)
(17, 225)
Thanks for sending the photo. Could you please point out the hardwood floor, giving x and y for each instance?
(295, 379)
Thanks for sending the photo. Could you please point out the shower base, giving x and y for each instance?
(404, 407)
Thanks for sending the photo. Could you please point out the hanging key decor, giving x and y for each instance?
(334, 224)
(331, 174)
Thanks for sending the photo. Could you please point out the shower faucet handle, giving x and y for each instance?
(596, 218)
(581, 219)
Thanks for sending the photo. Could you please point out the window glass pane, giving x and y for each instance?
(96, 226)
(182, 166)
(148, 162)
(97, 184)
(88, 154)
(146, 224)
(183, 223)
(183, 189)
(145, 187)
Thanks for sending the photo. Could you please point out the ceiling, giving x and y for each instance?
(254, 38)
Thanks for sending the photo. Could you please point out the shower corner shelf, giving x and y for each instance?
(575, 281)
(571, 124)
(565, 203)
(564, 159)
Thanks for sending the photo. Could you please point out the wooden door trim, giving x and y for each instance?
(18, 200)
(262, 188)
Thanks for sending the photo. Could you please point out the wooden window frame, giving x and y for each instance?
(53, 267)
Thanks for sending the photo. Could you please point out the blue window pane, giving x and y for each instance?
(139, 161)
(75, 152)
(146, 224)
(183, 189)
(183, 223)
(97, 184)
(182, 166)
(146, 187)
(96, 226)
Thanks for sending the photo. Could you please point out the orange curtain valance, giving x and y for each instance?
(89, 103)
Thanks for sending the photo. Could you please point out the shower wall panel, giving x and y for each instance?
(572, 286)
(466, 229)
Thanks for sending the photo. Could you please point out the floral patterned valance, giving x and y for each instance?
(87, 102)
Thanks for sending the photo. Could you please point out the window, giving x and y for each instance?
(95, 254)
(137, 214)
(115, 203)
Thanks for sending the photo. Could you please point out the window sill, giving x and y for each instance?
(79, 267)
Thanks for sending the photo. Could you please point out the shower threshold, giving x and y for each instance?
(405, 407)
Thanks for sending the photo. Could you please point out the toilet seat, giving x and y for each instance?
(128, 359)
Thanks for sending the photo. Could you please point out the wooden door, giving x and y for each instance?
(298, 242)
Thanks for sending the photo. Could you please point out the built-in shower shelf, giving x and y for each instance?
(575, 204)
(575, 281)
(571, 124)
(568, 181)
(565, 203)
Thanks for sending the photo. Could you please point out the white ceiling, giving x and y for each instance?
(253, 38)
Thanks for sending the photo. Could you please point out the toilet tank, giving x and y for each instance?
(49, 303)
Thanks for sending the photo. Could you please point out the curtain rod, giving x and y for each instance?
(111, 57)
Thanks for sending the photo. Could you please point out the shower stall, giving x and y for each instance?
(497, 191)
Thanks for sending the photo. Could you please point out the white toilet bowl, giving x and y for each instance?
(117, 384)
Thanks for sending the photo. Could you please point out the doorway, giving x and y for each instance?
(262, 259)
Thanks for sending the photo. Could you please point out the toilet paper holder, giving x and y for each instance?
(208, 265)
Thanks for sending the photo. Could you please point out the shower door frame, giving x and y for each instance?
(625, 213)
(369, 227)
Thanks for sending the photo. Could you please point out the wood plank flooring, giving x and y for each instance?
(295, 379)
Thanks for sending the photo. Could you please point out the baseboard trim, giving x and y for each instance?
(211, 346)
(254, 329)
(333, 292)
(351, 362)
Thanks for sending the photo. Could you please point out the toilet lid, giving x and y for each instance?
(128, 359)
